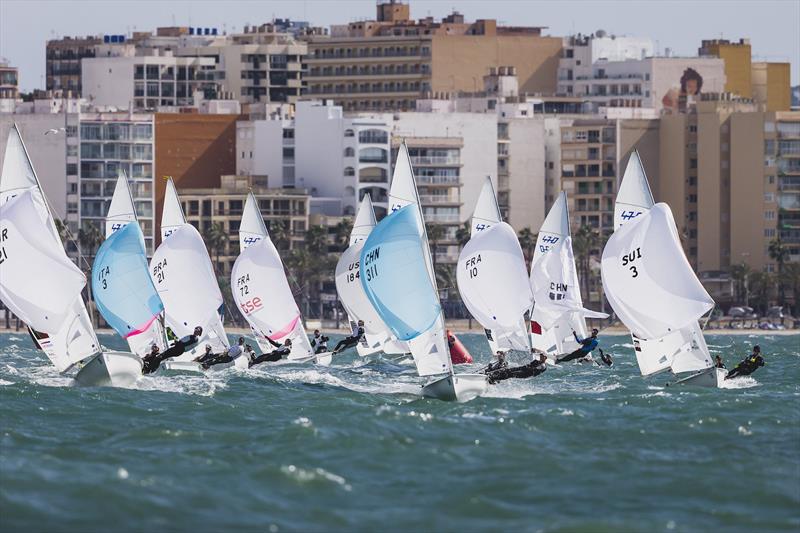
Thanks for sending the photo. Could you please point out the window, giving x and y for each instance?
(769, 232)
(693, 163)
(288, 153)
(349, 171)
(349, 133)
(769, 197)
(72, 169)
(349, 152)
(769, 215)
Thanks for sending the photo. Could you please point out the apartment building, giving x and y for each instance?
(390, 62)
(110, 143)
(63, 62)
(767, 83)
(258, 65)
(9, 82)
(287, 208)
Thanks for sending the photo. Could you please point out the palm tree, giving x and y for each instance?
(739, 275)
(463, 234)
(761, 284)
(279, 233)
(791, 278)
(62, 229)
(342, 232)
(435, 234)
(527, 240)
(311, 265)
(89, 238)
(216, 240)
(584, 243)
(779, 254)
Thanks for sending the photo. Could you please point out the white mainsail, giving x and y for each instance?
(634, 196)
(74, 340)
(261, 289)
(121, 210)
(377, 335)
(185, 280)
(553, 271)
(645, 252)
(487, 211)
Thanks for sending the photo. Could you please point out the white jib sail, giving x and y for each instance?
(402, 192)
(487, 212)
(493, 283)
(76, 339)
(262, 292)
(121, 210)
(185, 281)
(650, 283)
(634, 196)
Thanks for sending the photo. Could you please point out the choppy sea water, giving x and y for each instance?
(354, 447)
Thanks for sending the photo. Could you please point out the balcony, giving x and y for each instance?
(428, 160)
(438, 199)
(449, 181)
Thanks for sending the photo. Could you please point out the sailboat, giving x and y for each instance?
(558, 305)
(262, 292)
(42, 286)
(377, 336)
(182, 273)
(121, 283)
(398, 278)
(492, 277)
(652, 287)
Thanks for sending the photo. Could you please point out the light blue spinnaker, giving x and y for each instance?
(122, 287)
(395, 277)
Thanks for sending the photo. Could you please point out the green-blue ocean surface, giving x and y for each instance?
(286, 447)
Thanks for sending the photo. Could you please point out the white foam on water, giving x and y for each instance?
(744, 382)
(199, 385)
(303, 475)
(4, 382)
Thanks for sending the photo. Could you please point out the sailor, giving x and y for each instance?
(315, 338)
(496, 365)
(606, 358)
(749, 365)
(279, 353)
(718, 362)
(322, 345)
(207, 355)
(154, 359)
(225, 357)
(532, 369)
(587, 345)
(355, 336)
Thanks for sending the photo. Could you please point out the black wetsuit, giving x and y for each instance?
(319, 345)
(274, 355)
(151, 362)
(587, 345)
(221, 358)
(497, 365)
(349, 342)
(746, 367)
(606, 358)
(532, 369)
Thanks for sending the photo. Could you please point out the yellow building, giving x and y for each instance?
(388, 63)
(772, 85)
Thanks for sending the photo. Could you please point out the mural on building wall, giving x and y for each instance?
(685, 94)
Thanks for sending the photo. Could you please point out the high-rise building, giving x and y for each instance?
(63, 62)
(390, 62)
(9, 84)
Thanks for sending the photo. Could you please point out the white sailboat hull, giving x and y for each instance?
(323, 359)
(711, 377)
(110, 369)
(457, 387)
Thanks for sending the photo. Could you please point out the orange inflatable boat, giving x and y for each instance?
(458, 352)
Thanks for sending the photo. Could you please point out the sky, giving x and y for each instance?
(771, 25)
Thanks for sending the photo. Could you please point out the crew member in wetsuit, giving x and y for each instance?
(316, 338)
(153, 360)
(275, 355)
(606, 358)
(718, 362)
(322, 344)
(501, 363)
(587, 345)
(225, 357)
(532, 369)
(348, 342)
(207, 355)
(749, 365)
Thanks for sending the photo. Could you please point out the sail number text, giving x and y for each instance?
(102, 276)
(369, 262)
(627, 259)
(160, 271)
(353, 272)
(3, 252)
(471, 265)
